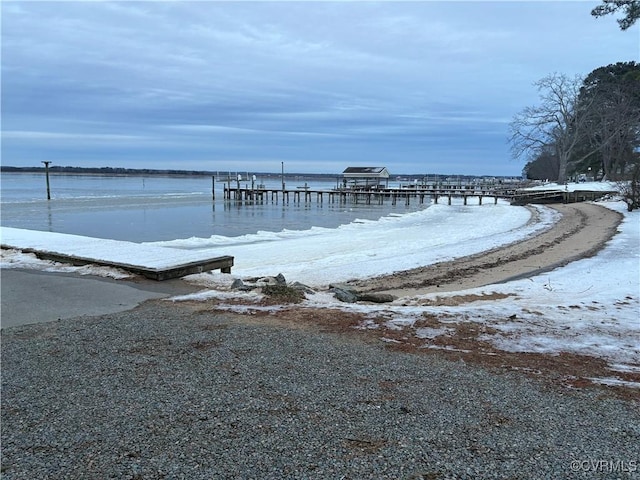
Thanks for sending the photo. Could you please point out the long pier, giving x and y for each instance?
(364, 196)
(418, 194)
(512, 191)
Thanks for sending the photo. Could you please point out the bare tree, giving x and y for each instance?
(556, 123)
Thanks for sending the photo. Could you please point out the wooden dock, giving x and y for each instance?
(223, 264)
(150, 261)
(524, 197)
(358, 196)
(407, 195)
(435, 191)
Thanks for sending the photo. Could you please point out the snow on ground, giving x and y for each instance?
(573, 186)
(320, 256)
(364, 249)
(11, 258)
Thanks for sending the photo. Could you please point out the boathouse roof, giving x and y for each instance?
(366, 172)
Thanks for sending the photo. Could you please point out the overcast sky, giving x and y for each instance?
(418, 87)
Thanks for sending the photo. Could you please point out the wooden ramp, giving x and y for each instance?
(524, 197)
(156, 263)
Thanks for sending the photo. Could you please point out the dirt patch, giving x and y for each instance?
(278, 294)
(462, 299)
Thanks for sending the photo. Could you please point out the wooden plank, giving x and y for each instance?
(223, 263)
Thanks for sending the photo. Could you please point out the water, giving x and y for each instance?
(159, 208)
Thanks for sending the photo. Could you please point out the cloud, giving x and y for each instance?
(318, 82)
(34, 135)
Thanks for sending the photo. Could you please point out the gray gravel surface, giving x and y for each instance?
(165, 392)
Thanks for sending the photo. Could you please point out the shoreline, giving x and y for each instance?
(582, 230)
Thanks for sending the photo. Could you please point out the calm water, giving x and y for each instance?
(153, 208)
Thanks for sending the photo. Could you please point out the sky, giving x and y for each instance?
(311, 87)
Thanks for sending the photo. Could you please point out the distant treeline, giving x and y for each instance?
(148, 171)
(224, 174)
(104, 170)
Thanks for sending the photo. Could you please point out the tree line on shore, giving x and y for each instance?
(103, 170)
(584, 125)
(219, 174)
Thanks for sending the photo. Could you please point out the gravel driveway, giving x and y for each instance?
(165, 392)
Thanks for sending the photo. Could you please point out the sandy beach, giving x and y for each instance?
(190, 390)
(582, 230)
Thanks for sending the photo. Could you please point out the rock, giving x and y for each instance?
(376, 297)
(343, 286)
(302, 287)
(344, 295)
(238, 284)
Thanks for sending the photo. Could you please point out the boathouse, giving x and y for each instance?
(365, 177)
